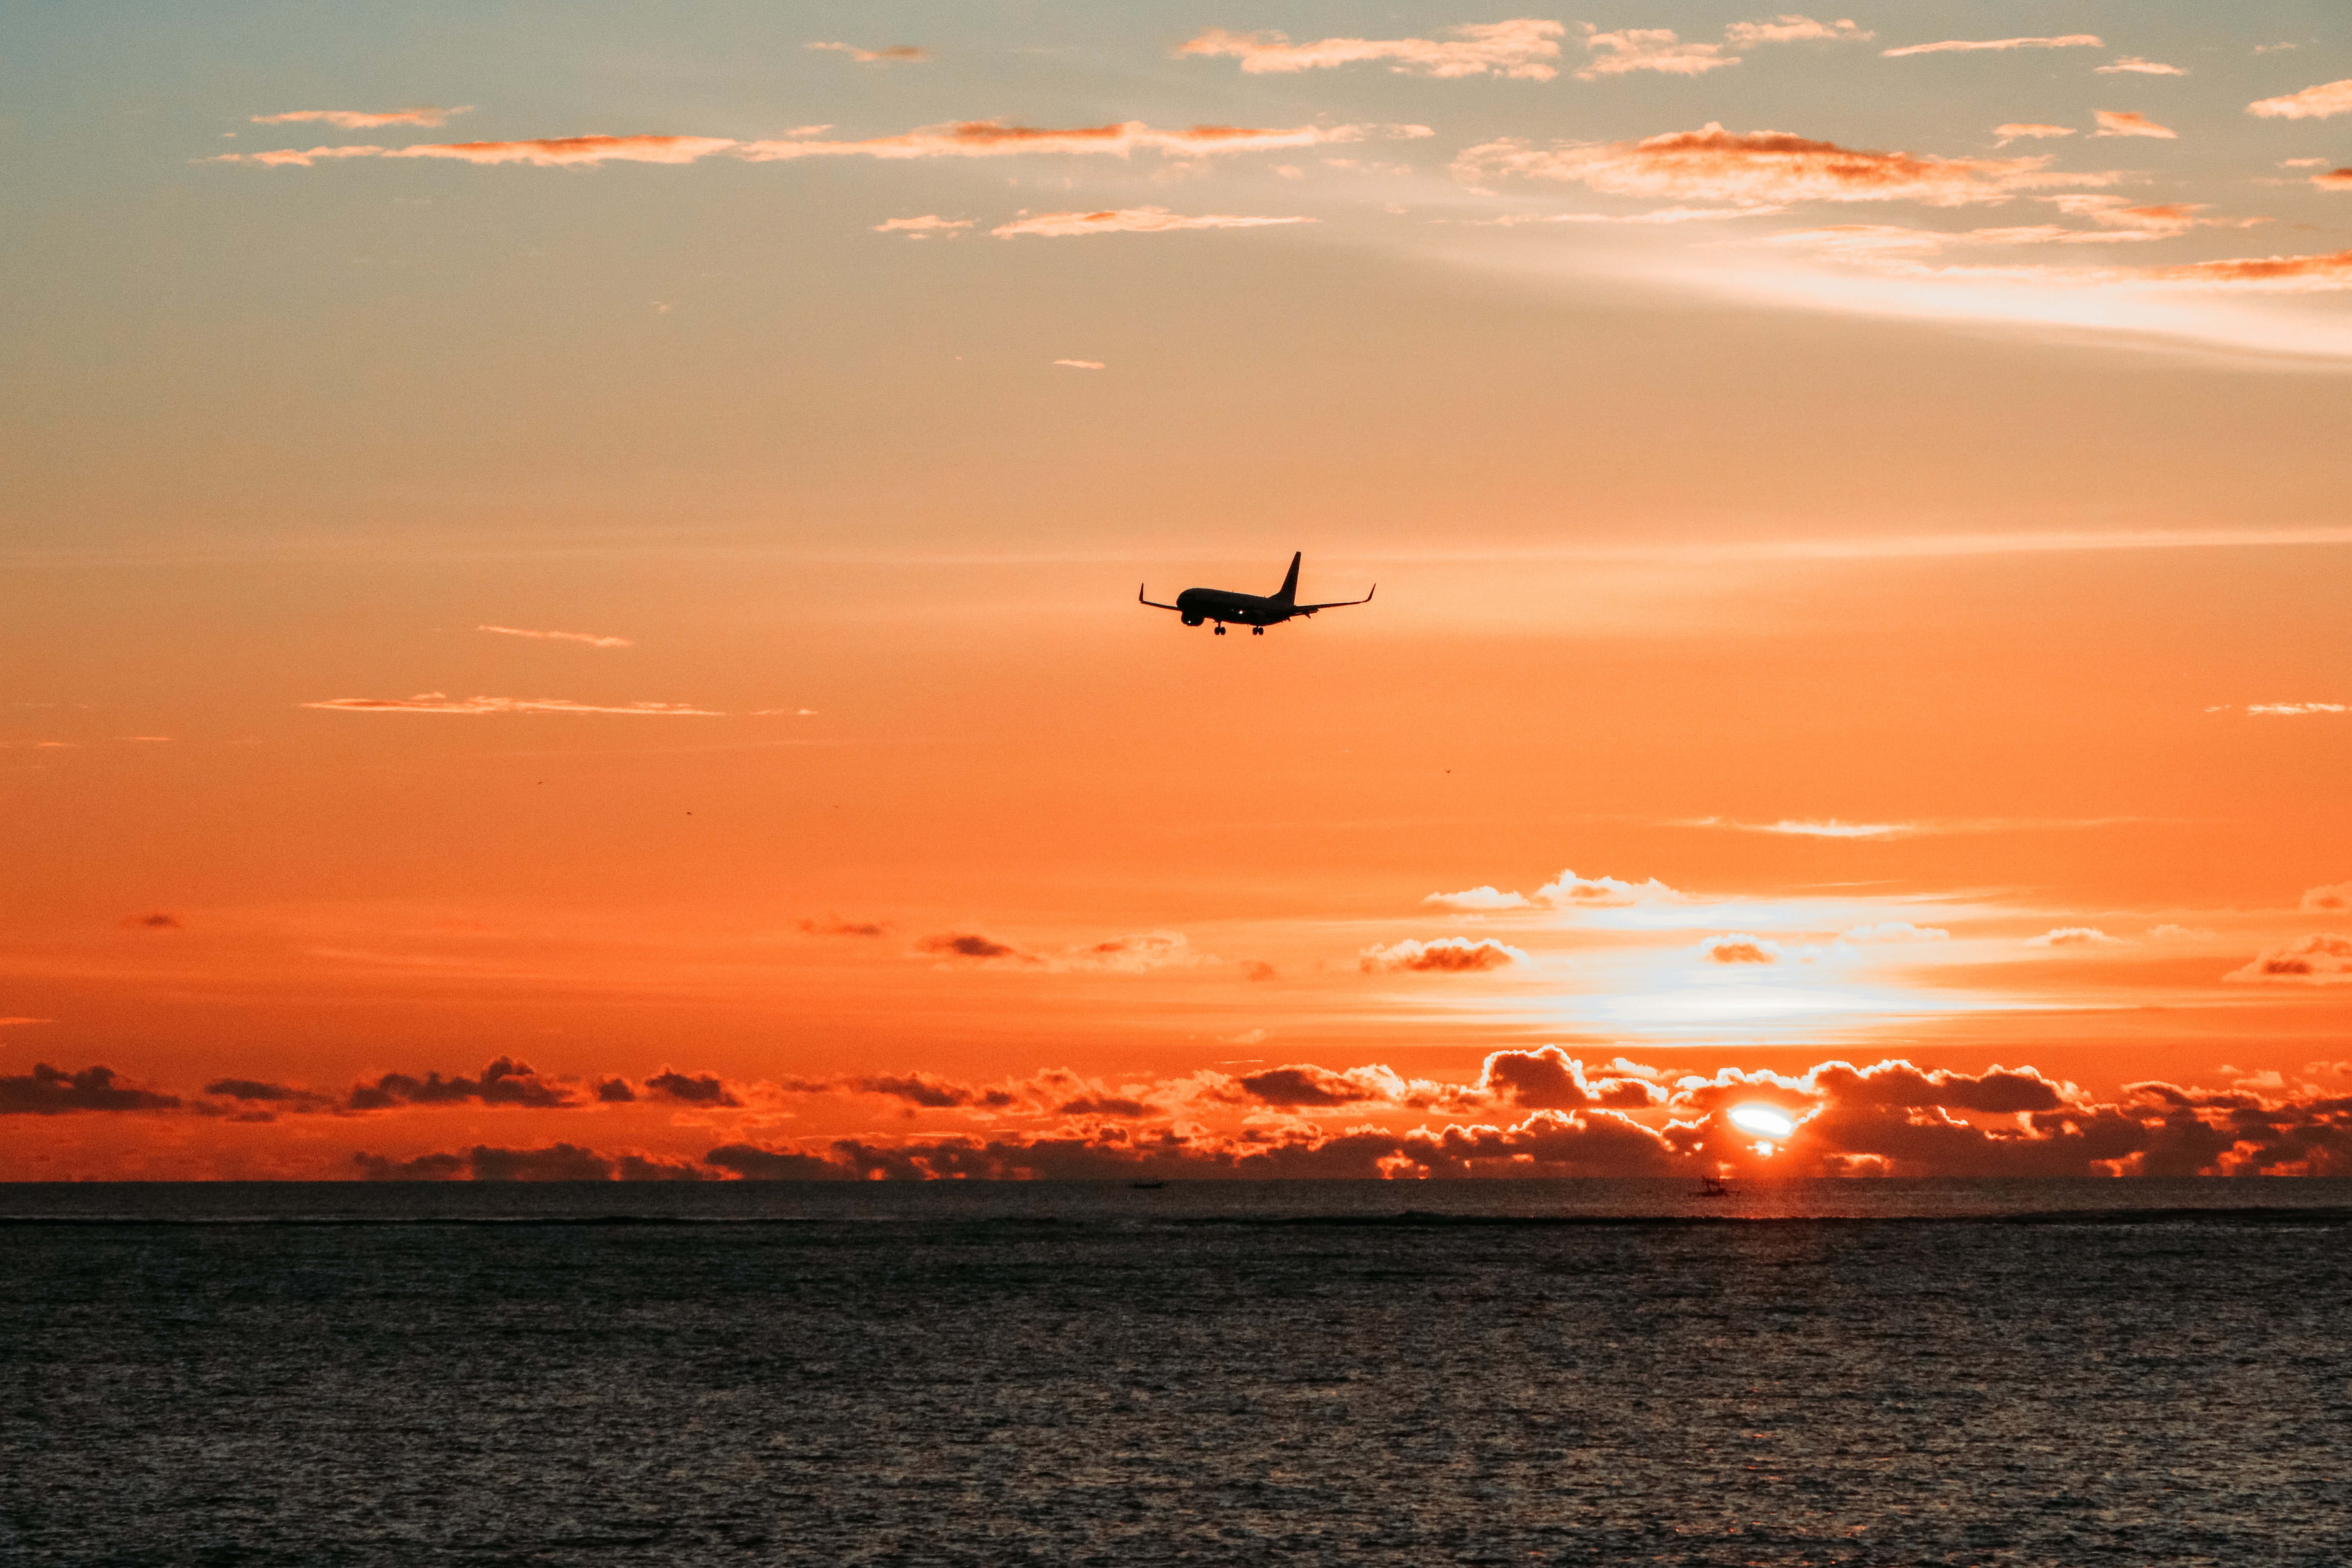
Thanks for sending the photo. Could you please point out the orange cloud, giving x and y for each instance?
(923, 228)
(2331, 271)
(2322, 959)
(990, 139)
(2312, 103)
(1446, 955)
(1896, 930)
(50, 1092)
(1738, 947)
(1763, 166)
(1548, 1079)
(2016, 129)
(441, 702)
(1789, 29)
(2128, 122)
(505, 1083)
(1522, 48)
(1128, 220)
(2332, 897)
(2334, 180)
(2133, 64)
(2075, 936)
(589, 638)
(1970, 46)
(544, 153)
(897, 54)
(834, 925)
(159, 920)
(1080, 363)
(1310, 1085)
(1648, 50)
(556, 1163)
(360, 119)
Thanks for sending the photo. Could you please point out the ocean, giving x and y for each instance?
(1858, 1372)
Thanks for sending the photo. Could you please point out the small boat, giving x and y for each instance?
(1712, 1187)
(1147, 1187)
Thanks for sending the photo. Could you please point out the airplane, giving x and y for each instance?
(1218, 605)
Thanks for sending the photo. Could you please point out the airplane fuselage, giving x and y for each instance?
(1198, 604)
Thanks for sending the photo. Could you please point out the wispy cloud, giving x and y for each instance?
(1080, 363)
(1763, 166)
(1566, 892)
(588, 637)
(2131, 122)
(1129, 220)
(2026, 128)
(2312, 103)
(2331, 898)
(1657, 50)
(925, 226)
(1446, 955)
(2322, 959)
(967, 139)
(2334, 180)
(362, 120)
(1790, 29)
(897, 54)
(2132, 65)
(442, 702)
(2287, 710)
(2075, 936)
(1972, 46)
(1522, 48)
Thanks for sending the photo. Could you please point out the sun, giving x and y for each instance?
(1764, 1121)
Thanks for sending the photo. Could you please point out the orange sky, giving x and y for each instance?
(604, 543)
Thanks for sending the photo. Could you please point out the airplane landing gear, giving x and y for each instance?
(1257, 631)
(1220, 628)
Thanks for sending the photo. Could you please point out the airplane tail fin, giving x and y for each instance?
(1288, 593)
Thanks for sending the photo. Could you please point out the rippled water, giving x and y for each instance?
(2069, 1373)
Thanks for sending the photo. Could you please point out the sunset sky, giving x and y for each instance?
(571, 590)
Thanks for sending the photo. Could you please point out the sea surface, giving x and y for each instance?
(1856, 1371)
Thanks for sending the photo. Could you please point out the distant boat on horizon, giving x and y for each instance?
(1712, 1187)
(1147, 1187)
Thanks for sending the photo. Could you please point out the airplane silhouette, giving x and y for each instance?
(1221, 606)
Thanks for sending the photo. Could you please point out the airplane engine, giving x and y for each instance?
(1193, 620)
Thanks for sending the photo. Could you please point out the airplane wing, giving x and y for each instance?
(1339, 603)
(1153, 603)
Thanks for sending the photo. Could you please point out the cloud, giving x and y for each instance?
(1446, 955)
(615, 1091)
(972, 945)
(1998, 1091)
(360, 119)
(1258, 969)
(556, 1163)
(1522, 49)
(1739, 947)
(589, 638)
(964, 139)
(253, 1091)
(925, 1090)
(1136, 954)
(1570, 892)
(830, 925)
(1128, 220)
(2134, 65)
(159, 920)
(1789, 29)
(2128, 122)
(753, 1163)
(1831, 827)
(1762, 167)
(897, 54)
(1896, 930)
(704, 1089)
(1648, 50)
(2329, 897)
(10, 1022)
(1080, 363)
(991, 139)
(1307, 1086)
(1104, 1105)
(2312, 103)
(2169, 932)
(1479, 899)
(505, 1083)
(1970, 46)
(925, 226)
(2015, 129)
(2322, 959)
(2331, 271)
(442, 702)
(2334, 180)
(1548, 1078)
(2075, 936)
(50, 1092)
